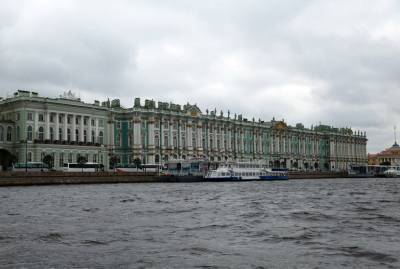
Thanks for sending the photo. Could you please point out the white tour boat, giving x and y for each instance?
(245, 172)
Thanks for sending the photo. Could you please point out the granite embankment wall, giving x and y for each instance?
(50, 178)
(316, 175)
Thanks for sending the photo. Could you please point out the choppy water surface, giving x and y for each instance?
(331, 223)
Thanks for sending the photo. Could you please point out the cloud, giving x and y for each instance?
(305, 61)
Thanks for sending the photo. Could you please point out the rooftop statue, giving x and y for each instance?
(70, 95)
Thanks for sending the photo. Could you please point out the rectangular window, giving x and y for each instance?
(68, 120)
(51, 118)
(101, 123)
(30, 116)
(93, 122)
(18, 116)
(41, 117)
(85, 121)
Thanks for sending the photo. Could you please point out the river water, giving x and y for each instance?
(329, 223)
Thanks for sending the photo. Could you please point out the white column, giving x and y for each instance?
(89, 133)
(242, 141)
(65, 127)
(73, 136)
(229, 142)
(36, 127)
(171, 134)
(57, 133)
(236, 139)
(82, 128)
(199, 136)
(96, 132)
(180, 134)
(137, 137)
(222, 140)
(110, 133)
(47, 126)
(189, 135)
(215, 138)
(151, 132)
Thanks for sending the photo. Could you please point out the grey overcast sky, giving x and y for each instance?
(330, 62)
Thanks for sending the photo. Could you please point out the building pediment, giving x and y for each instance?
(192, 110)
(279, 126)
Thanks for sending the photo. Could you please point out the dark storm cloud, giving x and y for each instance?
(305, 61)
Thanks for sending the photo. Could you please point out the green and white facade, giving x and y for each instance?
(32, 127)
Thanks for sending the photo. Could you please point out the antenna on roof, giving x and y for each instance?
(395, 135)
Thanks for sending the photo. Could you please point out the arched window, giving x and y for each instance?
(41, 133)
(60, 134)
(1, 133)
(77, 135)
(101, 137)
(29, 133)
(93, 137)
(9, 134)
(68, 135)
(51, 134)
(84, 136)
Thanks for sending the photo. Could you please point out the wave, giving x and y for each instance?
(369, 254)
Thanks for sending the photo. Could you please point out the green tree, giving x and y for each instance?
(48, 160)
(137, 163)
(81, 160)
(306, 166)
(113, 161)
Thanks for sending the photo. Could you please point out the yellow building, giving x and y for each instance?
(389, 156)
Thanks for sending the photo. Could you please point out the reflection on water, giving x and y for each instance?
(330, 223)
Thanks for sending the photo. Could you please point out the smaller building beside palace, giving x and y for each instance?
(32, 127)
(389, 156)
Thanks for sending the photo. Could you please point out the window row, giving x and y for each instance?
(40, 135)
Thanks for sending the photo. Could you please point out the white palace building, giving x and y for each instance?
(32, 127)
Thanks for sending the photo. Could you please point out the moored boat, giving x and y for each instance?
(245, 172)
(392, 172)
